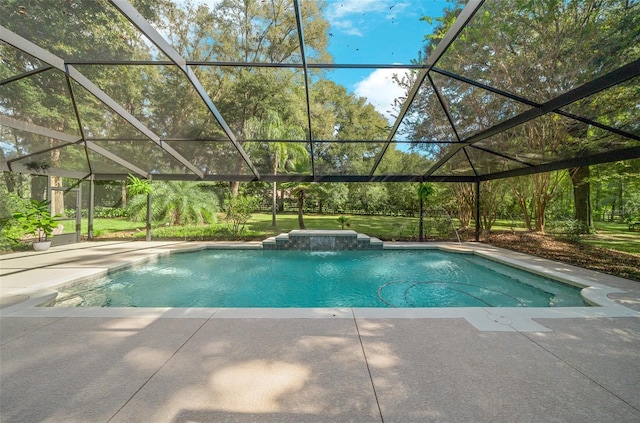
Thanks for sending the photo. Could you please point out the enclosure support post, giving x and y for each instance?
(92, 193)
(79, 212)
(477, 211)
(148, 238)
(49, 195)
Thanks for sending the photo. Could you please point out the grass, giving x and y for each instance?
(384, 227)
(103, 226)
(614, 236)
(609, 235)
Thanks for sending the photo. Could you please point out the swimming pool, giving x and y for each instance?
(383, 278)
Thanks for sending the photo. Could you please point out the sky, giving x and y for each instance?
(377, 32)
(374, 32)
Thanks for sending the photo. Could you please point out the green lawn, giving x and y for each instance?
(611, 235)
(103, 226)
(386, 227)
(259, 226)
(614, 236)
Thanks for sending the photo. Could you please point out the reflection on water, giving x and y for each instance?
(382, 278)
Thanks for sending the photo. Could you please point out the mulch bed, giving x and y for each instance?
(590, 257)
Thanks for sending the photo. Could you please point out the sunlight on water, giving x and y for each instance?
(323, 253)
(257, 278)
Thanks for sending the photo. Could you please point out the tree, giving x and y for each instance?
(332, 197)
(425, 190)
(273, 128)
(616, 187)
(464, 195)
(492, 202)
(178, 202)
(301, 189)
(74, 30)
(239, 209)
(582, 198)
(349, 118)
(264, 32)
(538, 50)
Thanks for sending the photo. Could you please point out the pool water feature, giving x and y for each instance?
(379, 278)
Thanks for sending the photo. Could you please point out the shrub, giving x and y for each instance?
(343, 221)
(568, 229)
(10, 228)
(239, 211)
(109, 212)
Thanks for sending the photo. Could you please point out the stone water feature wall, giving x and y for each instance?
(322, 240)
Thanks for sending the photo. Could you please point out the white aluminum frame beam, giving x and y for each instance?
(617, 76)
(50, 133)
(461, 22)
(38, 52)
(156, 38)
(38, 130)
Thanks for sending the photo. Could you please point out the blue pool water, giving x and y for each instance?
(258, 278)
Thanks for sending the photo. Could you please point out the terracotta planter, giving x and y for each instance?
(41, 246)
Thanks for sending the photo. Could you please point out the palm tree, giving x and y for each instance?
(425, 190)
(274, 129)
(179, 202)
(300, 189)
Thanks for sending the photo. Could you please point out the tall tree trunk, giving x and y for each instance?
(123, 194)
(281, 201)
(582, 197)
(522, 202)
(540, 215)
(464, 203)
(234, 188)
(613, 210)
(421, 221)
(620, 200)
(300, 209)
(540, 189)
(274, 205)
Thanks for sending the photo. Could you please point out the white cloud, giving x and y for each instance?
(341, 13)
(381, 91)
(347, 27)
(342, 8)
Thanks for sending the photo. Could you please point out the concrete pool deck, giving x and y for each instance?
(335, 365)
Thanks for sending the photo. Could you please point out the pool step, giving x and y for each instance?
(322, 240)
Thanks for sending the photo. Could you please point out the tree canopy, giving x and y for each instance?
(167, 89)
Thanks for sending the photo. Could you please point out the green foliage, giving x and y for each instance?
(10, 228)
(176, 202)
(569, 229)
(332, 197)
(368, 197)
(137, 186)
(343, 221)
(239, 210)
(425, 190)
(109, 212)
(37, 220)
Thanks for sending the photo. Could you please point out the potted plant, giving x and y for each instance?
(37, 220)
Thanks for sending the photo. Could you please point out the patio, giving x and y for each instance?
(188, 365)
